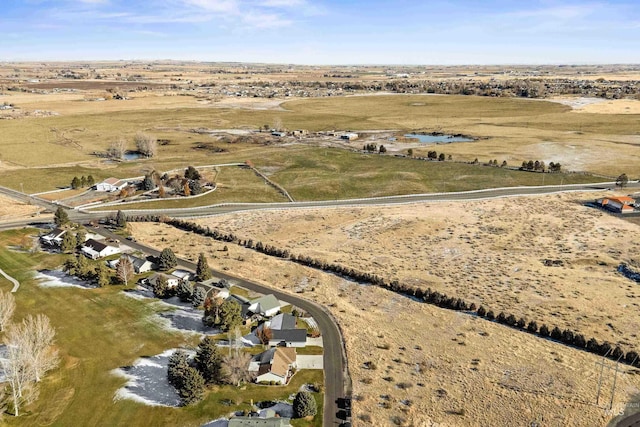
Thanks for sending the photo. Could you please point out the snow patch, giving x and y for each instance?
(60, 279)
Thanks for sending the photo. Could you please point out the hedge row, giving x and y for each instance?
(567, 337)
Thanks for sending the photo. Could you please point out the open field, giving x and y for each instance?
(99, 330)
(447, 368)
(12, 209)
(509, 129)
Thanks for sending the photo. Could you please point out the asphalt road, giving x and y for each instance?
(632, 421)
(334, 356)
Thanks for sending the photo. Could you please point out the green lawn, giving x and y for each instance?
(97, 331)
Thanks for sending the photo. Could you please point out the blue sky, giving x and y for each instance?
(324, 31)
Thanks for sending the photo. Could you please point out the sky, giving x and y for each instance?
(318, 32)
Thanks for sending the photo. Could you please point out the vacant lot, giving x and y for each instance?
(12, 209)
(411, 362)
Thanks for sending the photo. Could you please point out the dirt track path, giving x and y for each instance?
(16, 284)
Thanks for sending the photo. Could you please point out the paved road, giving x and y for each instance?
(16, 284)
(334, 357)
(632, 421)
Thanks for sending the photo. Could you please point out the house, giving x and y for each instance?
(622, 204)
(53, 238)
(182, 274)
(284, 332)
(349, 136)
(259, 422)
(266, 306)
(172, 281)
(111, 184)
(279, 134)
(274, 365)
(95, 249)
(213, 289)
(140, 265)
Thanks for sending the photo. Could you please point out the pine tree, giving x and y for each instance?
(61, 217)
(304, 405)
(192, 388)
(90, 181)
(198, 297)
(178, 363)
(75, 183)
(161, 287)
(83, 181)
(68, 243)
(185, 291)
(168, 259)
(209, 360)
(202, 269)
(103, 277)
(121, 219)
(230, 315)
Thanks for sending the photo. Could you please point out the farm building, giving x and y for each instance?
(349, 136)
(111, 184)
(622, 204)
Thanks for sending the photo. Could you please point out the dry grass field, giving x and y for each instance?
(11, 209)
(418, 365)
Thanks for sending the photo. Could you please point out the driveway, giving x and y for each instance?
(309, 361)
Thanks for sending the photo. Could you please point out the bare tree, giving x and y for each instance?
(125, 270)
(7, 307)
(34, 336)
(264, 334)
(117, 148)
(235, 368)
(146, 144)
(16, 369)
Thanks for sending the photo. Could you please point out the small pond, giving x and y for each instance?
(132, 155)
(437, 139)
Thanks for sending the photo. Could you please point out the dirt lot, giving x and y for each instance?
(436, 366)
(11, 209)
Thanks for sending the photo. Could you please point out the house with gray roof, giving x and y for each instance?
(259, 422)
(266, 306)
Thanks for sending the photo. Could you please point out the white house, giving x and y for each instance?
(267, 306)
(111, 184)
(54, 238)
(94, 249)
(274, 365)
(349, 136)
(172, 281)
(140, 265)
(213, 289)
(182, 274)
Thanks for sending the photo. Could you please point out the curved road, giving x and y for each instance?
(334, 358)
(632, 421)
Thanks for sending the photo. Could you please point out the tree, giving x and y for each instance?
(83, 181)
(544, 331)
(264, 334)
(304, 405)
(185, 291)
(16, 370)
(230, 315)
(192, 173)
(202, 269)
(212, 311)
(410, 152)
(198, 297)
(622, 180)
(121, 219)
(147, 183)
(61, 217)
(81, 237)
(75, 183)
(186, 189)
(382, 149)
(7, 307)
(125, 270)
(103, 277)
(90, 181)
(192, 388)
(167, 260)
(178, 363)
(69, 242)
(235, 369)
(441, 157)
(146, 144)
(208, 360)
(161, 287)
(36, 337)
(195, 187)
(117, 148)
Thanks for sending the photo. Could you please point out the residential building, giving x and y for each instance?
(53, 238)
(95, 249)
(259, 422)
(266, 306)
(213, 289)
(274, 365)
(621, 204)
(172, 281)
(140, 265)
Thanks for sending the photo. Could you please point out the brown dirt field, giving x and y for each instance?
(11, 209)
(460, 370)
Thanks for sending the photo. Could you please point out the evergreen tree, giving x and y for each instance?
(68, 243)
(192, 173)
(198, 297)
(168, 259)
(75, 183)
(61, 217)
(102, 274)
(90, 181)
(147, 183)
(185, 291)
(202, 269)
(83, 181)
(81, 237)
(304, 405)
(209, 360)
(161, 287)
(192, 388)
(121, 219)
(230, 315)
(178, 363)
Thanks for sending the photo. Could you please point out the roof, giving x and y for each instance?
(623, 199)
(111, 181)
(56, 232)
(283, 321)
(266, 303)
(137, 262)
(95, 245)
(258, 422)
(289, 335)
(282, 359)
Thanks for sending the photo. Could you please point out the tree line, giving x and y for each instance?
(568, 337)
